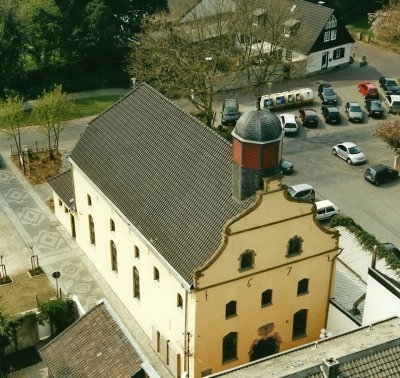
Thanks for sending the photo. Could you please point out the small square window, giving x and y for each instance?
(89, 200)
(179, 301)
(59, 202)
(302, 286)
(266, 298)
(156, 274)
(112, 225)
(65, 209)
(137, 252)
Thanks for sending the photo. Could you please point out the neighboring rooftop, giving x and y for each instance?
(371, 351)
(94, 346)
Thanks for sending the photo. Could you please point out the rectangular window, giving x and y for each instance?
(112, 225)
(299, 324)
(230, 309)
(266, 298)
(333, 34)
(156, 274)
(327, 36)
(289, 54)
(114, 263)
(89, 200)
(91, 231)
(229, 347)
(302, 286)
(294, 246)
(338, 53)
(59, 202)
(136, 283)
(65, 209)
(179, 301)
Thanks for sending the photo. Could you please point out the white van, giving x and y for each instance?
(326, 209)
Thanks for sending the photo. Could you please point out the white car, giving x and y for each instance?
(393, 103)
(289, 124)
(350, 152)
(302, 191)
(326, 209)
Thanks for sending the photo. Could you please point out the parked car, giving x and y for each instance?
(368, 90)
(287, 167)
(380, 173)
(374, 108)
(389, 85)
(289, 124)
(350, 152)
(302, 191)
(308, 117)
(331, 114)
(326, 209)
(392, 248)
(393, 103)
(327, 94)
(230, 112)
(353, 111)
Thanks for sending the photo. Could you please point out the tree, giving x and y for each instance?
(265, 33)
(10, 44)
(40, 24)
(385, 23)
(186, 59)
(389, 132)
(8, 332)
(11, 112)
(50, 111)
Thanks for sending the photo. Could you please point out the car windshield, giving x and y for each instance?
(396, 103)
(391, 83)
(329, 91)
(290, 126)
(354, 150)
(230, 111)
(355, 108)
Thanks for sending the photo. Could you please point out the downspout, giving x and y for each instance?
(186, 338)
(330, 282)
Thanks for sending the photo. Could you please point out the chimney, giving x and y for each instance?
(330, 368)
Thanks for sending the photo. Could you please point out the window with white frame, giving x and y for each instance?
(332, 23)
(327, 36)
(333, 34)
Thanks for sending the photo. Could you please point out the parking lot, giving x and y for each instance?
(374, 208)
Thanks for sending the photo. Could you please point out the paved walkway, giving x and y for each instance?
(32, 222)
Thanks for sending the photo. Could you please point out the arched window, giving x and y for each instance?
(91, 231)
(114, 263)
(156, 274)
(179, 301)
(246, 259)
(136, 283)
(299, 324)
(229, 347)
(294, 246)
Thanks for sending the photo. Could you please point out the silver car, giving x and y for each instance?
(353, 111)
(350, 152)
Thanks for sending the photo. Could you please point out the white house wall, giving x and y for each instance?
(338, 322)
(380, 303)
(156, 297)
(315, 59)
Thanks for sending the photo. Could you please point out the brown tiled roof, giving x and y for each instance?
(94, 346)
(168, 173)
(62, 184)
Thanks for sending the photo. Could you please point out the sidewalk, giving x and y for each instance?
(29, 220)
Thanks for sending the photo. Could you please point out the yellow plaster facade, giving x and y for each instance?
(214, 324)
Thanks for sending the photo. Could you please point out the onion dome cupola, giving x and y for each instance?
(257, 151)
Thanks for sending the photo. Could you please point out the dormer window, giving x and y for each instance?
(332, 23)
(290, 27)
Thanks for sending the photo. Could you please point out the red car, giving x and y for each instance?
(368, 90)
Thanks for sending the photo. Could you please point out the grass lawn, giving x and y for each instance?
(84, 107)
(361, 25)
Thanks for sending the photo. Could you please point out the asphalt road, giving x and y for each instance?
(376, 209)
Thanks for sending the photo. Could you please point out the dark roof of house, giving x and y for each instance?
(313, 18)
(168, 173)
(93, 346)
(62, 184)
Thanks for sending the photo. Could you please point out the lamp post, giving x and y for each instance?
(133, 79)
(56, 275)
